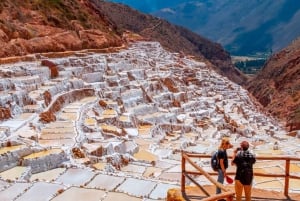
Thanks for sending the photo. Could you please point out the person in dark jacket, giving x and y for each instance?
(244, 161)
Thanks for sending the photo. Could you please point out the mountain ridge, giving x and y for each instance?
(245, 28)
(242, 27)
(172, 37)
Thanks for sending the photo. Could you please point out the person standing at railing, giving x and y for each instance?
(244, 161)
(223, 161)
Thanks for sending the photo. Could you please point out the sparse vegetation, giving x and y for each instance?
(49, 3)
(297, 115)
(250, 66)
(294, 121)
(60, 13)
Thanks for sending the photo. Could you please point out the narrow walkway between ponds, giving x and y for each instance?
(194, 194)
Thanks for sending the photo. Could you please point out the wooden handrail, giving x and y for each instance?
(262, 157)
(210, 178)
(186, 157)
(227, 194)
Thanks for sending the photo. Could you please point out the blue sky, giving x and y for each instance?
(149, 6)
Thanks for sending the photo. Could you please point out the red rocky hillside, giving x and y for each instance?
(37, 26)
(277, 86)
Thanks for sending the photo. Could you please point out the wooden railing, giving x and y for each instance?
(227, 194)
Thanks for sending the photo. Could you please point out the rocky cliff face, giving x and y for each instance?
(52, 26)
(277, 86)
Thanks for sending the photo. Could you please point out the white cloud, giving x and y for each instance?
(168, 10)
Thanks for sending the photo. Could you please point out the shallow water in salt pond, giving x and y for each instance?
(48, 175)
(76, 176)
(40, 191)
(13, 191)
(120, 196)
(75, 193)
(13, 173)
(12, 148)
(43, 153)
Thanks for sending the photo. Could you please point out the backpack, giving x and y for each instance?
(214, 162)
(246, 173)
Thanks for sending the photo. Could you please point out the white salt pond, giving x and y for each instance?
(119, 123)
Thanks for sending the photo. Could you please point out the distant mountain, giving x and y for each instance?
(277, 85)
(242, 27)
(172, 37)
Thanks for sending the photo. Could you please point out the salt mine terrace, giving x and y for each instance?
(111, 126)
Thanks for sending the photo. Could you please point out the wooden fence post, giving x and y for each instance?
(287, 177)
(182, 172)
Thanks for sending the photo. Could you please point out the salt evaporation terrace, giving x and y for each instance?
(117, 123)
